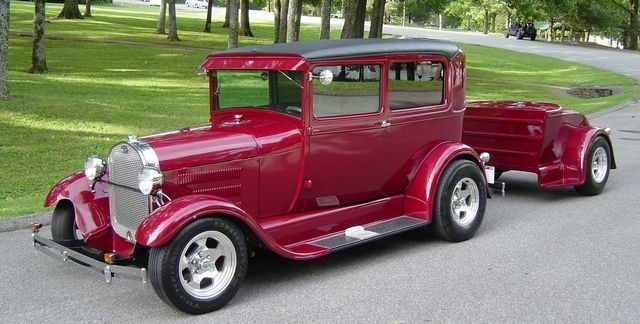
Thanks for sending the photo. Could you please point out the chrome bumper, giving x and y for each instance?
(109, 271)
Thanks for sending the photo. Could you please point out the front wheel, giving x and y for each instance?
(597, 168)
(202, 268)
(460, 202)
(63, 222)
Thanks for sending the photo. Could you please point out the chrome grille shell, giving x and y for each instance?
(127, 205)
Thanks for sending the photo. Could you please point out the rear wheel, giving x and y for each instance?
(460, 202)
(202, 268)
(597, 168)
(533, 37)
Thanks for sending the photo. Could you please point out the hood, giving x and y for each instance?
(238, 134)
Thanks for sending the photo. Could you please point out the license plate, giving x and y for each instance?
(490, 172)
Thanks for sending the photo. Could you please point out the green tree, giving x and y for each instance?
(293, 20)
(162, 18)
(354, 14)
(325, 19)
(38, 57)
(207, 22)
(4, 48)
(173, 23)
(233, 24)
(87, 9)
(245, 26)
(377, 19)
(70, 10)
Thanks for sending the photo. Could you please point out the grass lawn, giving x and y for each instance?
(100, 90)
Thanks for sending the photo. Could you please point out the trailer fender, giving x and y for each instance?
(574, 157)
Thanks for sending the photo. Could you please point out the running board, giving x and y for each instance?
(361, 234)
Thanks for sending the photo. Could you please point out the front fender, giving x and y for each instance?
(423, 187)
(164, 223)
(91, 208)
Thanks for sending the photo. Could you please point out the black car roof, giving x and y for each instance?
(326, 49)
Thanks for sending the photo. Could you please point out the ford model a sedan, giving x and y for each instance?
(310, 148)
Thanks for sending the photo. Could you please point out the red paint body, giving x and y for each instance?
(291, 180)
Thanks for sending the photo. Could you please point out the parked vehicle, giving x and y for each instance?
(311, 148)
(197, 4)
(521, 31)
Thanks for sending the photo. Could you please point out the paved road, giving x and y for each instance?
(540, 256)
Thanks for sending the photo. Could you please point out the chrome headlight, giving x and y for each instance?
(94, 167)
(149, 180)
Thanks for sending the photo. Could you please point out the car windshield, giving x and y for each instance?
(275, 90)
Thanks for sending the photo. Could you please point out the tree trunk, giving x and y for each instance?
(87, 9)
(161, 19)
(38, 57)
(550, 33)
(173, 24)
(207, 23)
(361, 14)
(377, 19)
(325, 19)
(284, 13)
(225, 24)
(4, 48)
(70, 10)
(245, 26)
(353, 19)
(293, 20)
(233, 24)
(562, 31)
(633, 28)
(485, 28)
(493, 22)
(276, 21)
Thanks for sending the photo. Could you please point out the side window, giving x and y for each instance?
(415, 84)
(355, 89)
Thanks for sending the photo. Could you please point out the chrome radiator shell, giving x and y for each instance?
(127, 205)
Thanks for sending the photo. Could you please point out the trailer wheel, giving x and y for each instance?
(202, 268)
(460, 202)
(597, 168)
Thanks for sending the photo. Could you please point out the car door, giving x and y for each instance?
(346, 138)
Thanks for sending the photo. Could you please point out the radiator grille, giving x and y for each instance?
(127, 205)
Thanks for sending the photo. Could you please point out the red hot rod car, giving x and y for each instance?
(311, 147)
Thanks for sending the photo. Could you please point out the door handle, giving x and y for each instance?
(384, 124)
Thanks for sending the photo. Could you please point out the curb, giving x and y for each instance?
(10, 224)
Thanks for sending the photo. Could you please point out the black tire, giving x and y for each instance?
(174, 283)
(596, 175)
(63, 222)
(448, 223)
(506, 35)
(533, 37)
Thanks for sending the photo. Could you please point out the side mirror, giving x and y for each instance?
(325, 77)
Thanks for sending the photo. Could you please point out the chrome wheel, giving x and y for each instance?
(465, 201)
(207, 265)
(599, 165)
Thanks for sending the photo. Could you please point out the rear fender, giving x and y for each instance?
(164, 223)
(575, 155)
(423, 187)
